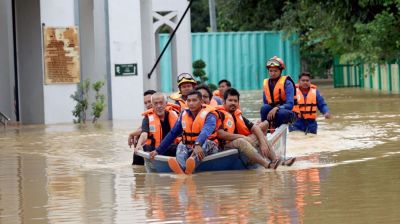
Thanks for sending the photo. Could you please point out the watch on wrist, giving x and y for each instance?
(197, 143)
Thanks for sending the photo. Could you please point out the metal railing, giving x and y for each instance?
(4, 119)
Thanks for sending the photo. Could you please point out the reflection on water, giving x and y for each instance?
(348, 173)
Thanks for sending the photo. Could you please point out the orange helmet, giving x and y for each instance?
(275, 62)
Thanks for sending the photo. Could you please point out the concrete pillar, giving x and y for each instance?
(7, 81)
(93, 24)
(125, 33)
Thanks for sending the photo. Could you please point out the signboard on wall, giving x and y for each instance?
(125, 69)
(61, 55)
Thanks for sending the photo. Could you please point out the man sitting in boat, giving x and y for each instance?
(134, 136)
(222, 86)
(235, 127)
(278, 95)
(157, 123)
(308, 100)
(207, 96)
(198, 128)
(186, 83)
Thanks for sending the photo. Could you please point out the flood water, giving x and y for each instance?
(348, 173)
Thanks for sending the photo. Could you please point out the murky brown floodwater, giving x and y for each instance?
(348, 173)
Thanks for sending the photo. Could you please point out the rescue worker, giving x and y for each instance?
(207, 96)
(133, 136)
(157, 123)
(198, 128)
(235, 127)
(186, 83)
(278, 95)
(222, 86)
(308, 100)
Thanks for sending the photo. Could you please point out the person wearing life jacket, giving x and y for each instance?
(197, 125)
(157, 123)
(309, 100)
(278, 95)
(236, 131)
(134, 136)
(222, 86)
(207, 97)
(186, 83)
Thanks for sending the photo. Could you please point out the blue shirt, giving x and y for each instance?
(208, 128)
(219, 100)
(289, 91)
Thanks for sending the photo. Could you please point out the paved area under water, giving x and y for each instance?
(348, 173)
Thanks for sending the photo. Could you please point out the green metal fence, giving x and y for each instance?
(237, 56)
(382, 77)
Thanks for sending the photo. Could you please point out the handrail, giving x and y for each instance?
(4, 119)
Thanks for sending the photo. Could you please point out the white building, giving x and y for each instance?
(111, 32)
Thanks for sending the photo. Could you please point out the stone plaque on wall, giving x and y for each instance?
(61, 55)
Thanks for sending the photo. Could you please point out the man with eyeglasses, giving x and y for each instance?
(207, 96)
(278, 95)
(186, 83)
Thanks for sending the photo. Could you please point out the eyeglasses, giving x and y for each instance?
(273, 63)
(184, 76)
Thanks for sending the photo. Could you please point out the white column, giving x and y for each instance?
(126, 48)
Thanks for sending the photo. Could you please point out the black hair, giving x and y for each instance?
(226, 81)
(305, 74)
(195, 92)
(149, 92)
(206, 88)
(231, 92)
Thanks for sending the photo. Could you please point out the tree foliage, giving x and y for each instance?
(364, 29)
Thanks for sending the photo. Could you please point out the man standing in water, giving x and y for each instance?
(198, 128)
(308, 100)
(278, 95)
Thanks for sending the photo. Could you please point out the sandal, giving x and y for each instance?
(289, 162)
(274, 164)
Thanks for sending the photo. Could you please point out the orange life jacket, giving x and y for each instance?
(192, 128)
(155, 134)
(306, 106)
(240, 126)
(237, 124)
(225, 119)
(177, 97)
(278, 93)
(217, 93)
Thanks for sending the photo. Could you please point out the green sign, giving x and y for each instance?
(126, 69)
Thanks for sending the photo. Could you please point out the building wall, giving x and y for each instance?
(58, 104)
(6, 60)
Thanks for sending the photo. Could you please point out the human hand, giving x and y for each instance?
(264, 150)
(137, 148)
(327, 115)
(153, 154)
(198, 151)
(272, 113)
